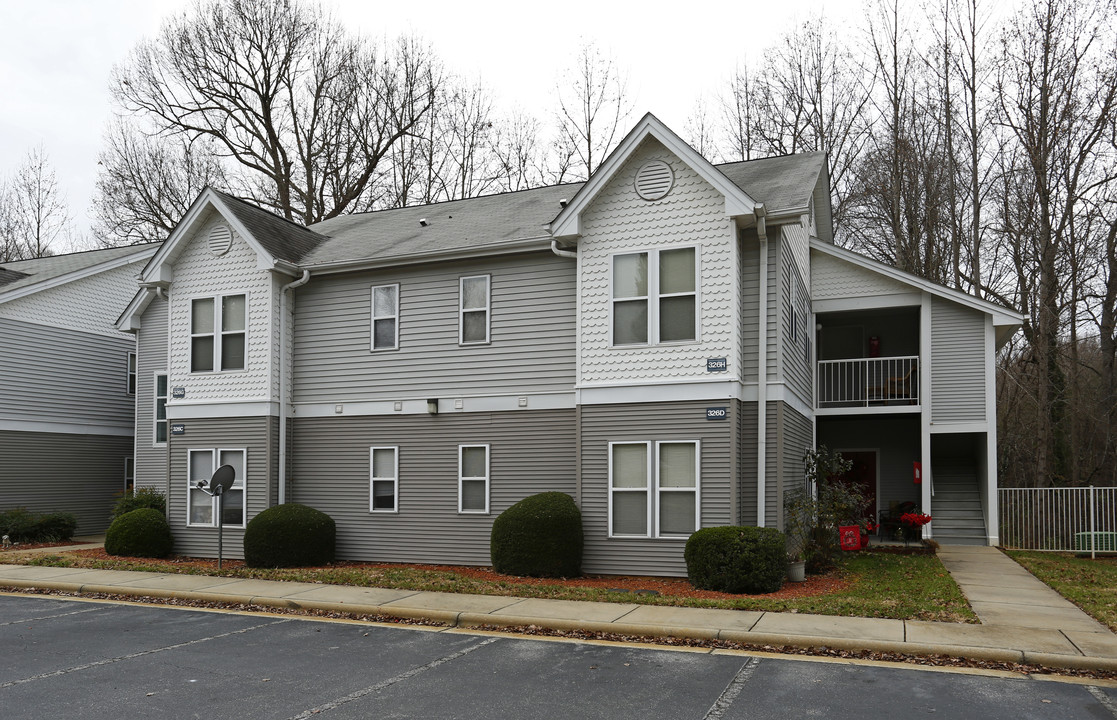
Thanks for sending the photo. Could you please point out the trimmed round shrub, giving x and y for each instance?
(736, 559)
(289, 535)
(540, 536)
(139, 498)
(140, 533)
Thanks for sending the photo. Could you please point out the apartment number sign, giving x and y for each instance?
(717, 413)
(178, 392)
(716, 365)
(178, 429)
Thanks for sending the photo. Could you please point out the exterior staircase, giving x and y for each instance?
(956, 513)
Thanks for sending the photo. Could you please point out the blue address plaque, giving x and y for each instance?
(178, 429)
(717, 413)
(716, 365)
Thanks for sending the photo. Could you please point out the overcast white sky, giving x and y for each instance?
(56, 55)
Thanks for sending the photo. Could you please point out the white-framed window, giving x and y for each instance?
(129, 474)
(160, 430)
(201, 508)
(385, 317)
(130, 379)
(383, 479)
(655, 297)
(217, 333)
(473, 309)
(473, 478)
(654, 488)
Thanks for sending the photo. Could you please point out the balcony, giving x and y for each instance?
(881, 382)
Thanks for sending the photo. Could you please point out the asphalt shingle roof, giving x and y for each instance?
(23, 273)
(781, 183)
(283, 239)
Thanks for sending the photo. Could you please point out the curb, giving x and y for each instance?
(453, 619)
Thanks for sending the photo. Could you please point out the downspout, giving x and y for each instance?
(284, 379)
(562, 253)
(762, 370)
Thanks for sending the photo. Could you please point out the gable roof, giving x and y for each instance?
(784, 183)
(24, 277)
(737, 200)
(275, 241)
(1007, 319)
(488, 222)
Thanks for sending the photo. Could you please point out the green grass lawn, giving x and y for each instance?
(874, 584)
(1089, 584)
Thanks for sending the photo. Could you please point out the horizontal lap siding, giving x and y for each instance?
(957, 363)
(602, 424)
(254, 434)
(56, 472)
(151, 460)
(531, 451)
(532, 331)
(795, 440)
(50, 374)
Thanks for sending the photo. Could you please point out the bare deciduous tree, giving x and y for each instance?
(34, 215)
(304, 112)
(593, 113)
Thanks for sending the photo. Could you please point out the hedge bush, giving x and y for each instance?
(140, 533)
(540, 536)
(23, 526)
(736, 559)
(139, 498)
(289, 535)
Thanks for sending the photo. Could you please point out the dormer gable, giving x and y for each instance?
(568, 224)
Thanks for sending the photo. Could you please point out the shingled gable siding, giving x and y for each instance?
(532, 348)
(151, 343)
(53, 472)
(89, 305)
(259, 436)
(531, 451)
(602, 424)
(619, 221)
(57, 375)
(834, 278)
(200, 274)
(957, 363)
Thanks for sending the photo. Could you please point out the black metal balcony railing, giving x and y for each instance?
(864, 382)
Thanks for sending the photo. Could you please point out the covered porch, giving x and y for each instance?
(868, 360)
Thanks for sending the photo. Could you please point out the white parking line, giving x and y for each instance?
(732, 690)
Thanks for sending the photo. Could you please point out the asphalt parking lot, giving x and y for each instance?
(64, 658)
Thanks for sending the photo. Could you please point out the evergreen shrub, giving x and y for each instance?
(736, 559)
(139, 498)
(23, 526)
(289, 535)
(140, 533)
(540, 536)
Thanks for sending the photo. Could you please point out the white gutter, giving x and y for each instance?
(562, 253)
(762, 370)
(284, 380)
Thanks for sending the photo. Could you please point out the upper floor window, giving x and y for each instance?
(130, 382)
(655, 297)
(473, 310)
(217, 333)
(385, 317)
(160, 409)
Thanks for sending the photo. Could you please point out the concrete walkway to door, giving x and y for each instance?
(1002, 593)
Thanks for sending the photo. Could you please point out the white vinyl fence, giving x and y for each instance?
(1082, 519)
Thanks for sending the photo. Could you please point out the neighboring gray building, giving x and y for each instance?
(414, 372)
(67, 382)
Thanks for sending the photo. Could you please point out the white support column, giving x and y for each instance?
(925, 418)
(991, 504)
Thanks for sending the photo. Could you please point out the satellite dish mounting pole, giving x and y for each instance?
(220, 521)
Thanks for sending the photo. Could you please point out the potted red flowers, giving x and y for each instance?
(912, 522)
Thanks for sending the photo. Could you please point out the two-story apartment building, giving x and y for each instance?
(67, 383)
(661, 342)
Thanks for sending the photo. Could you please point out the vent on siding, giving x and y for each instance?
(220, 239)
(654, 180)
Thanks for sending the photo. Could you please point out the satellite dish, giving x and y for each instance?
(223, 479)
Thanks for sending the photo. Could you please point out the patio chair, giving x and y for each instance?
(890, 519)
(897, 386)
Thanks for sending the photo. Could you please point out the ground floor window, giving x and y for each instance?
(201, 509)
(384, 479)
(129, 475)
(473, 478)
(654, 488)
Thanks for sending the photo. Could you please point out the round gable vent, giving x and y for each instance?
(220, 239)
(654, 180)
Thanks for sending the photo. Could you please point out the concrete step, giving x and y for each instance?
(961, 539)
(959, 524)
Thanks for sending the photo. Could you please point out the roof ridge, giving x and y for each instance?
(257, 208)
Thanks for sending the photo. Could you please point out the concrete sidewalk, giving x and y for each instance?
(1016, 636)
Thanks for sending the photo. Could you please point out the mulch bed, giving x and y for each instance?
(34, 546)
(677, 587)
